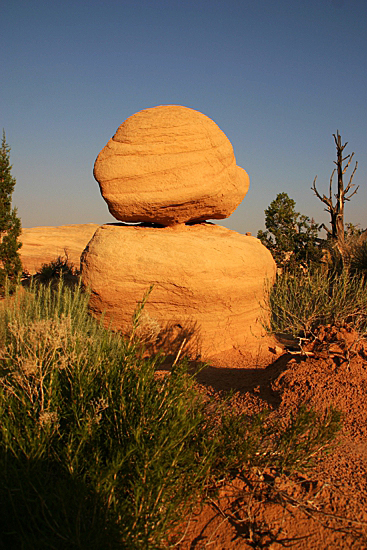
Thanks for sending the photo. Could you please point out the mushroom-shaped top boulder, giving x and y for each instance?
(167, 165)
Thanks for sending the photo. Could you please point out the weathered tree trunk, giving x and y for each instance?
(339, 207)
(336, 210)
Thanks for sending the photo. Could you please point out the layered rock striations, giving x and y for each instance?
(42, 245)
(170, 164)
(171, 168)
(208, 283)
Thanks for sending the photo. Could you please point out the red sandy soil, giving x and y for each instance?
(323, 509)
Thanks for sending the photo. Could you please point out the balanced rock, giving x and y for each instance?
(170, 164)
(209, 284)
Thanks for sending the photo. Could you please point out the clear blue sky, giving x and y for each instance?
(279, 77)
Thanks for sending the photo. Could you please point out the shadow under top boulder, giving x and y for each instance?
(168, 165)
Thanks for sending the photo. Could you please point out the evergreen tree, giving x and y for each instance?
(10, 227)
(290, 237)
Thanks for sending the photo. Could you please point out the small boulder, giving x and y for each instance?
(167, 165)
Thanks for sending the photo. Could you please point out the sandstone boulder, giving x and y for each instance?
(208, 284)
(170, 164)
(42, 245)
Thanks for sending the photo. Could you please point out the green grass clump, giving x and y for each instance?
(98, 452)
(300, 302)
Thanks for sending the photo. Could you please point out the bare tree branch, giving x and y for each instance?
(331, 184)
(351, 195)
(323, 199)
(350, 184)
(348, 163)
(315, 190)
(323, 226)
(336, 139)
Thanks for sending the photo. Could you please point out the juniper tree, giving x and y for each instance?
(10, 227)
(290, 236)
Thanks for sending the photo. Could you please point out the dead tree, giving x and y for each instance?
(336, 210)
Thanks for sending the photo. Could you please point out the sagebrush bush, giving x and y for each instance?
(76, 396)
(96, 450)
(299, 302)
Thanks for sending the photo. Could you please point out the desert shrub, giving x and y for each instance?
(355, 252)
(96, 450)
(52, 272)
(350, 255)
(358, 261)
(301, 302)
(258, 443)
(80, 401)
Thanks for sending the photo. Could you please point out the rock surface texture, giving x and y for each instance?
(208, 284)
(42, 245)
(170, 164)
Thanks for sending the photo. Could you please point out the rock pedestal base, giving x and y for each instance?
(208, 285)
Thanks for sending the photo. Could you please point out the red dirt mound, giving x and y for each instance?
(326, 509)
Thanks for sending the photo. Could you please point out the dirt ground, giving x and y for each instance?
(323, 509)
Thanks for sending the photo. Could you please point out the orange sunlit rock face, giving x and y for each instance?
(42, 245)
(170, 164)
(208, 282)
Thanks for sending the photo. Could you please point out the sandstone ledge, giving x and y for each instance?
(44, 244)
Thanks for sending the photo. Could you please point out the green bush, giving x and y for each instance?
(245, 444)
(301, 302)
(96, 450)
(77, 400)
(291, 238)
